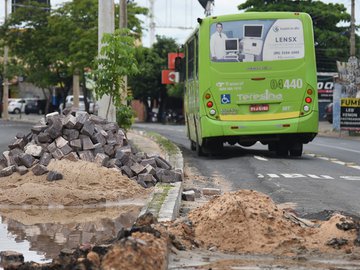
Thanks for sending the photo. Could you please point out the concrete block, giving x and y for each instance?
(54, 176)
(88, 128)
(188, 195)
(211, 191)
(45, 159)
(34, 150)
(39, 169)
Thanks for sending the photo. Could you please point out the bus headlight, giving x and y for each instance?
(306, 108)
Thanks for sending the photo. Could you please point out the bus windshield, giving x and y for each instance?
(256, 40)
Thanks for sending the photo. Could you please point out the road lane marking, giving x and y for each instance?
(339, 148)
(293, 175)
(351, 178)
(299, 175)
(260, 158)
(339, 162)
(326, 177)
(335, 161)
(314, 176)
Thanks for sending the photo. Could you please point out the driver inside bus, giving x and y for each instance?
(217, 43)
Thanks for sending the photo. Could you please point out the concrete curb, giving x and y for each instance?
(26, 118)
(165, 201)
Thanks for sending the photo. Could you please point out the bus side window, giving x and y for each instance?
(182, 69)
(191, 54)
(197, 56)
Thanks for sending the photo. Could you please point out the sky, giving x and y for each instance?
(172, 16)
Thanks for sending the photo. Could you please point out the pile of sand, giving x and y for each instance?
(83, 183)
(140, 251)
(250, 222)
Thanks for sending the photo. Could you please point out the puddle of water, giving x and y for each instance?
(40, 234)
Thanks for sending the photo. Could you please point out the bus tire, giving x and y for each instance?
(272, 147)
(199, 150)
(282, 150)
(192, 145)
(215, 146)
(296, 150)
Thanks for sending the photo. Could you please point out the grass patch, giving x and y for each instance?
(164, 143)
(158, 199)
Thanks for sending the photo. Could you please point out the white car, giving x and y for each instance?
(16, 105)
(93, 107)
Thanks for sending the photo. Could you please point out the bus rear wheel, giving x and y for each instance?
(192, 145)
(199, 150)
(282, 150)
(296, 150)
(215, 146)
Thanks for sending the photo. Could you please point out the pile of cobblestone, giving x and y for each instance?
(79, 135)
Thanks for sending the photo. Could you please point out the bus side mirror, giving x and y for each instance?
(178, 65)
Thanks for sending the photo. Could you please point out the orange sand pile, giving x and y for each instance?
(250, 222)
(83, 183)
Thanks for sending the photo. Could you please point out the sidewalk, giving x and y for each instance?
(326, 129)
(31, 118)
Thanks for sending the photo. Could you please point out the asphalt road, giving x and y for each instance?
(8, 131)
(326, 177)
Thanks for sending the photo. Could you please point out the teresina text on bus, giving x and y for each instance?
(267, 95)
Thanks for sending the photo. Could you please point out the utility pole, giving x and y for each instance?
(106, 24)
(122, 25)
(5, 99)
(123, 14)
(352, 29)
(152, 22)
(76, 89)
(353, 63)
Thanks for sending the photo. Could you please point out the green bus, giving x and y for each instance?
(251, 77)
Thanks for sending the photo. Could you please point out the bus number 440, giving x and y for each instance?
(286, 84)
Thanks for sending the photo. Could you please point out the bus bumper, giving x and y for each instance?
(303, 129)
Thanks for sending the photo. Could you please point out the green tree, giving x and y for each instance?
(146, 85)
(331, 39)
(26, 34)
(53, 46)
(116, 60)
(77, 48)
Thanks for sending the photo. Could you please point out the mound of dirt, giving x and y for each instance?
(250, 222)
(140, 251)
(83, 183)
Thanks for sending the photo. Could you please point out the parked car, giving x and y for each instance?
(93, 106)
(16, 105)
(329, 112)
(35, 106)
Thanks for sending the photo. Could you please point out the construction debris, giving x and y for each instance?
(80, 136)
